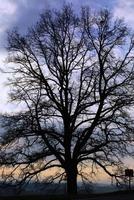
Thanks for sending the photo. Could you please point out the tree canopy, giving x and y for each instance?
(75, 76)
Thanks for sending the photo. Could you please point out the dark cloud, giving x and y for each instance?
(27, 12)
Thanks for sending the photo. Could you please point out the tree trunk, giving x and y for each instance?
(71, 181)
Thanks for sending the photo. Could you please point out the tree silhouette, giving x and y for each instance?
(75, 76)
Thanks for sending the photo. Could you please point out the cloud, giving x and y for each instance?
(3, 89)
(7, 7)
(93, 4)
(125, 9)
(28, 12)
(25, 13)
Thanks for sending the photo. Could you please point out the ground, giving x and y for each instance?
(125, 195)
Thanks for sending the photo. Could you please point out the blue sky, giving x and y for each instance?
(24, 13)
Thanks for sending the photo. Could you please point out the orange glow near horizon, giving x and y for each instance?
(98, 175)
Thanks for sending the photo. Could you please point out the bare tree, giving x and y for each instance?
(75, 76)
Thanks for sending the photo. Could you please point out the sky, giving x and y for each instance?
(25, 13)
